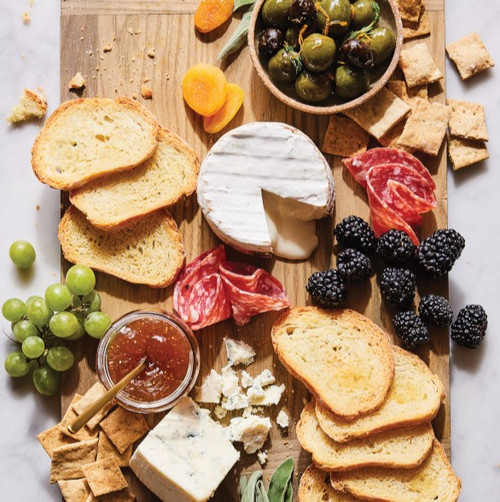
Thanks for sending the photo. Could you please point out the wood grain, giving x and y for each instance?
(133, 28)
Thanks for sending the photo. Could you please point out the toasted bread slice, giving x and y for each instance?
(86, 138)
(342, 357)
(415, 397)
(148, 251)
(315, 486)
(434, 479)
(399, 448)
(31, 105)
(161, 181)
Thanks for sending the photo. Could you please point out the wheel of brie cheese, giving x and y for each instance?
(262, 187)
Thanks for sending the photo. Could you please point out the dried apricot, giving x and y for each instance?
(210, 14)
(204, 88)
(234, 100)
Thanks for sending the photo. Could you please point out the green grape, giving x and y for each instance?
(31, 299)
(64, 324)
(96, 324)
(33, 347)
(16, 365)
(60, 358)
(22, 253)
(58, 297)
(39, 313)
(14, 309)
(23, 329)
(80, 280)
(79, 333)
(46, 380)
(93, 299)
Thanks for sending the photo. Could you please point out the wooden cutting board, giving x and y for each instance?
(133, 29)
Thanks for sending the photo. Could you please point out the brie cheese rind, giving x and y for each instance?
(261, 187)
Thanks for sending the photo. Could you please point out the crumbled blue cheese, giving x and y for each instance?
(262, 457)
(265, 397)
(236, 401)
(238, 352)
(246, 380)
(283, 420)
(252, 431)
(210, 390)
(230, 381)
(265, 378)
(220, 412)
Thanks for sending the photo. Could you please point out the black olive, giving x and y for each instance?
(270, 41)
(302, 12)
(357, 53)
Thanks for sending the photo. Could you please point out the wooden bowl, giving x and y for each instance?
(389, 17)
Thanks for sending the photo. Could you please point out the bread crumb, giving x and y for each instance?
(37, 207)
(135, 96)
(77, 82)
(26, 18)
(32, 104)
(107, 48)
(151, 53)
(146, 92)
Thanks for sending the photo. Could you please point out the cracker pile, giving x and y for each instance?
(87, 465)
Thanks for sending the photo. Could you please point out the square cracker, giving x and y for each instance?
(467, 120)
(124, 495)
(470, 55)
(104, 476)
(417, 29)
(105, 449)
(124, 428)
(426, 127)
(84, 433)
(390, 140)
(91, 396)
(67, 461)
(466, 152)
(379, 114)
(418, 66)
(408, 95)
(344, 137)
(409, 9)
(74, 490)
(53, 438)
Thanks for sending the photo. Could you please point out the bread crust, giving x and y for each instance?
(315, 485)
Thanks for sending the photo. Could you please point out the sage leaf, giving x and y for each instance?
(260, 492)
(238, 38)
(238, 4)
(280, 486)
(248, 494)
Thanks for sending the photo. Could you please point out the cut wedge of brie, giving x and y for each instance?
(261, 188)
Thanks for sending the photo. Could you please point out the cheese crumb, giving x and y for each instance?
(262, 457)
(283, 420)
(210, 390)
(251, 431)
(146, 92)
(246, 380)
(220, 412)
(77, 82)
(238, 352)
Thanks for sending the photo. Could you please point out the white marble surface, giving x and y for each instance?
(29, 57)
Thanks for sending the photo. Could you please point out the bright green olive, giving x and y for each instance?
(313, 87)
(275, 13)
(283, 66)
(382, 44)
(318, 52)
(350, 82)
(363, 13)
(339, 14)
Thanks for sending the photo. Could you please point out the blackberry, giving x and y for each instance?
(328, 288)
(354, 232)
(397, 286)
(435, 311)
(396, 248)
(353, 265)
(470, 326)
(437, 254)
(411, 329)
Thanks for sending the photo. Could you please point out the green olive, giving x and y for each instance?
(275, 13)
(363, 13)
(292, 36)
(339, 14)
(382, 44)
(350, 82)
(283, 66)
(313, 87)
(318, 52)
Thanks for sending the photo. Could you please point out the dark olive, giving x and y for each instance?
(313, 87)
(302, 12)
(339, 14)
(364, 13)
(275, 13)
(284, 66)
(270, 41)
(357, 53)
(382, 44)
(292, 36)
(350, 82)
(318, 52)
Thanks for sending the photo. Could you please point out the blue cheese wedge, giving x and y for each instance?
(186, 456)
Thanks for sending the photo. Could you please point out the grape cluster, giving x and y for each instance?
(41, 324)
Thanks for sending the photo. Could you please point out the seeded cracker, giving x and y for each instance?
(418, 66)
(74, 490)
(67, 461)
(379, 114)
(426, 127)
(418, 29)
(467, 120)
(53, 438)
(344, 137)
(84, 433)
(470, 55)
(401, 90)
(90, 397)
(104, 477)
(409, 9)
(105, 449)
(466, 152)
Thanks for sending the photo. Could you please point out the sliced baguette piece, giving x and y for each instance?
(148, 251)
(342, 357)
(170, 173)
(89, 137)
(433, 480)
(398, 448)
(415, 397)
(315, 486)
